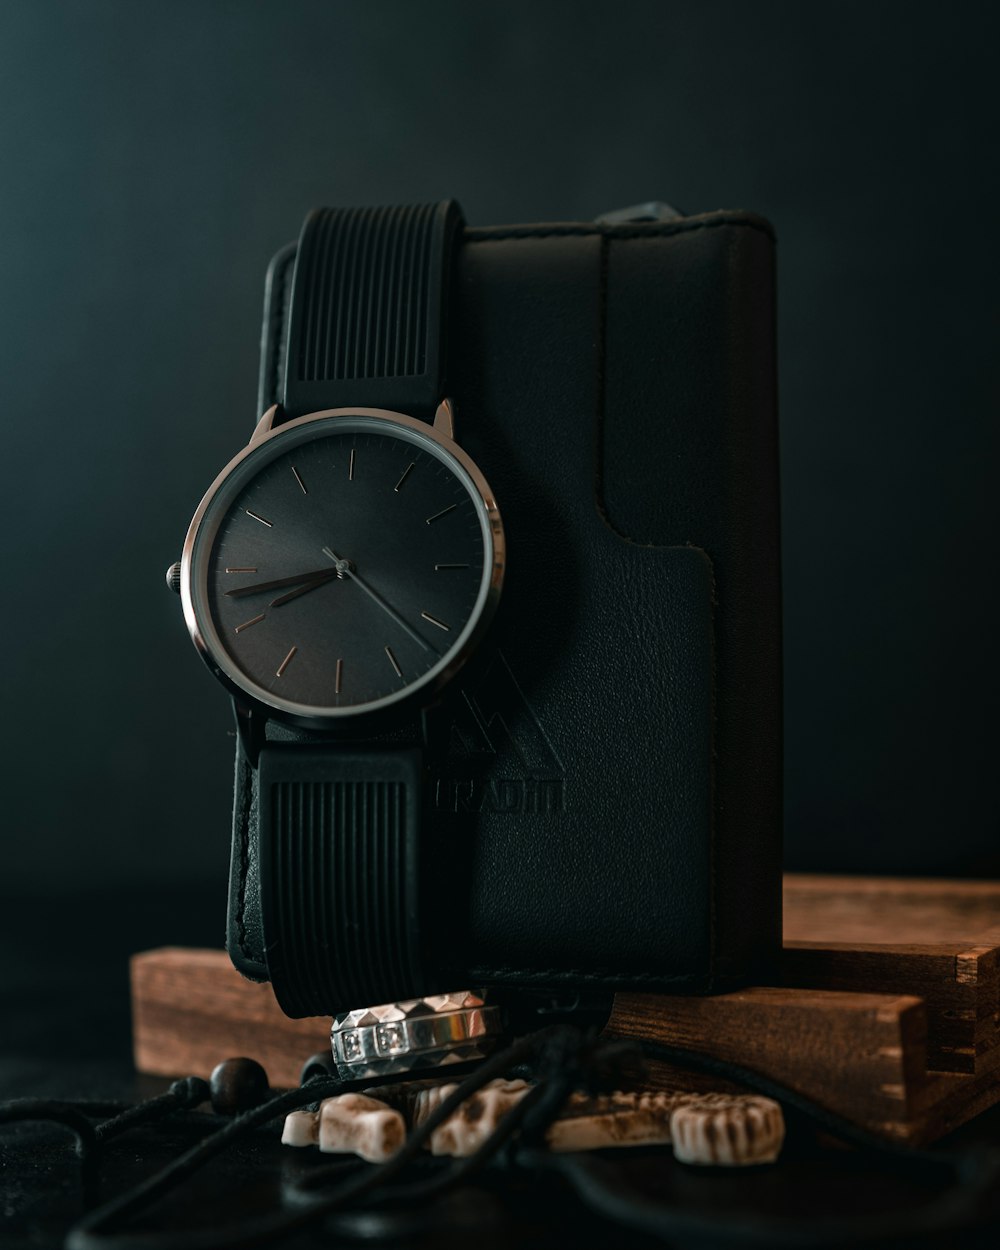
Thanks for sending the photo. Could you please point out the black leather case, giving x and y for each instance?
(604, 799)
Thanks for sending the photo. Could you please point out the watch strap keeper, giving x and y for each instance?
(340, 875)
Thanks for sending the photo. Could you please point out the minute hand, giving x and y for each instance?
(374, 595)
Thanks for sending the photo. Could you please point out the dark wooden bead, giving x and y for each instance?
(237, 1085)
(320, 1064)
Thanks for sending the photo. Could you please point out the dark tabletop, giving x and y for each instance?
(66, 1035)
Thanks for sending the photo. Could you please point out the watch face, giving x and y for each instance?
(342, 564)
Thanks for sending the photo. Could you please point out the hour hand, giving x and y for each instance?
(304, 589)
(324, 574)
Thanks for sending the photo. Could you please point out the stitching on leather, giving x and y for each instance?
(489, 234)
(608, 234)
(597, 978)
(713, 789)
(602, 351)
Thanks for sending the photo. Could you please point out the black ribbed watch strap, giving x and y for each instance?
(366, 322)
(339, 873)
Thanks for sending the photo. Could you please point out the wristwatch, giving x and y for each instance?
(337, 575)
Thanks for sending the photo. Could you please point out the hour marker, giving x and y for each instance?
(340, 675)
(350, 470)
(286, 661)
(434, 620)
(241, 570)
(298, 478)
(258, 518)
(252, 621)
(405, 475)
(393, 661)
(439, 567)
(444, 512)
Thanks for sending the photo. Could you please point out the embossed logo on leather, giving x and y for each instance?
(500, 758)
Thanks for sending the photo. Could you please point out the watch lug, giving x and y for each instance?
(265, 425)
(444, 419)
(249, 731)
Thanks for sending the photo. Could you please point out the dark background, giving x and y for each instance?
(154, 156)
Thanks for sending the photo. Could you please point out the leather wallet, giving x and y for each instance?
(605, 782)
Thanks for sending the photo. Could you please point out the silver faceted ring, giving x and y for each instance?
(427, 1032)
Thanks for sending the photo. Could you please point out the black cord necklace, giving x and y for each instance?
(560, 1059)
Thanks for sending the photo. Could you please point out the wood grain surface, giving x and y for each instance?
(936, 939)
(191, 1009)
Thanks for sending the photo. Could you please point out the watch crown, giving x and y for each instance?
(174, 577)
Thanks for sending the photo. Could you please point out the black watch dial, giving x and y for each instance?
(342, 564)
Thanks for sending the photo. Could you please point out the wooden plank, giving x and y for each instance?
(937, 939)
(960, 986)
(890, 910)
(858, 1054)
(191, 1009)
(889, 1012)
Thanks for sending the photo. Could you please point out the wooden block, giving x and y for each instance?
(861, 1055)
(191, 1009)
(890, 910)
(936, 939)
(959, 986)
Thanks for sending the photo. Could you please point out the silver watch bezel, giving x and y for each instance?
(266, 445)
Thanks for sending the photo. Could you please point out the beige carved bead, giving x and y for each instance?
(734, 1130)
(719, 1129)
(348, 1124)
(301, 1128)
(467, 1128)
(618, 1119)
